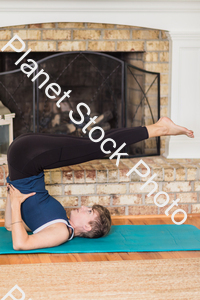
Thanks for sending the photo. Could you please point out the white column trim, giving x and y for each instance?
(184, 99)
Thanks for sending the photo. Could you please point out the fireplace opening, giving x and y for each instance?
(113, 84)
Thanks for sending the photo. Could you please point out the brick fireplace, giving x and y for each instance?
(144, 48)
(101, 181)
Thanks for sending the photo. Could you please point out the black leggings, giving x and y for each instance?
(31, 153)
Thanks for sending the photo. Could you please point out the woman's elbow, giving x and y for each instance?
(8, 228)
(22, 246)
(17, 247)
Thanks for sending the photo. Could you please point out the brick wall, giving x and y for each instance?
(100, 181)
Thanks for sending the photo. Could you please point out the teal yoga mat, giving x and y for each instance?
(122, 238)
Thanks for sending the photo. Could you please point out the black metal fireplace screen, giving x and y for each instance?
(121, 94)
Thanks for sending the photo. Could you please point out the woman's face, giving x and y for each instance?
(80, 218)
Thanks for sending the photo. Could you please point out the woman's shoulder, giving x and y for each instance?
(64, 230)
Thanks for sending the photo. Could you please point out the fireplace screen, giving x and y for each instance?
(120, 94)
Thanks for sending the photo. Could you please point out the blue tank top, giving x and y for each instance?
(41, 209)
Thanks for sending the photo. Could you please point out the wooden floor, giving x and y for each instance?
(135, 220)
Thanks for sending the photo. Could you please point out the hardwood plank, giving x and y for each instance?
(56, 258)
(154, 221)
(130, 256)
(70, 257)
(193, 221)
(121, 222)
(18, 259)
(44, 257)
(179, 216)
(150, 255)
(113, 256)
(34, 258)
(4, 259)
(137, 222)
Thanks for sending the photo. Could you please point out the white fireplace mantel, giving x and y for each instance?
(180, 18)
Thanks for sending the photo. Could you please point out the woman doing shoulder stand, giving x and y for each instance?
(29, 206)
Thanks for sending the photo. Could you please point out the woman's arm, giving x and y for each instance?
(8, 214)
(48, 237)
(19, 234)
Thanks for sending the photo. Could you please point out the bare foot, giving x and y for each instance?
(170, 128)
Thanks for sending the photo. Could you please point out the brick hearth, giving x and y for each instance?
(101, 181)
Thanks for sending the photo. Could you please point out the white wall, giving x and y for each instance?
(166, 15)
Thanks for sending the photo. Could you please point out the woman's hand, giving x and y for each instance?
(16, 195)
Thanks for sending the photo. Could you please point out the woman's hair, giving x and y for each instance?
(101, 225)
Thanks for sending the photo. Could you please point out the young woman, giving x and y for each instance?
(29, 207)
